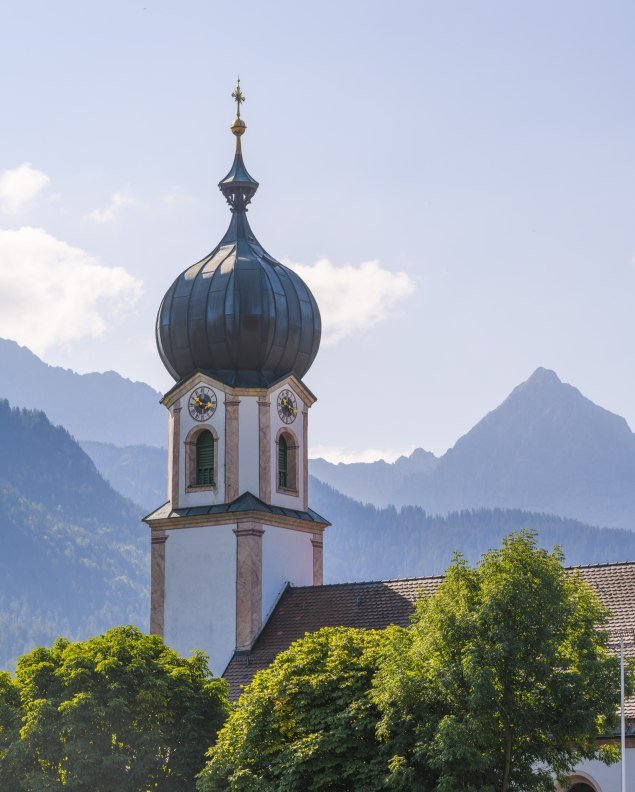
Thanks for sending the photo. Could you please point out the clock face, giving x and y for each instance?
(202, 404)
(287, 406)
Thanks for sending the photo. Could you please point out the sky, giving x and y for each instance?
(454, 180)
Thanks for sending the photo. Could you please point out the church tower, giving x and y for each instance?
(237, 331)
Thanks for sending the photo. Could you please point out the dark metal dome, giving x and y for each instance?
(238, 314)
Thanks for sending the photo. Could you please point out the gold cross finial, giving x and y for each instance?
(239, 97)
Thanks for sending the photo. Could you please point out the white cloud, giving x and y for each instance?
(118, 201)
(337, 454)
(178, 197)
(352, 299)
(52, 293)
(20, 186)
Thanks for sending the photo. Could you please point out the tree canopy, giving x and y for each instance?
(121, 711)
(505, 680)
(307, 722)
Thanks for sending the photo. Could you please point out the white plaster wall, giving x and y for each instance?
(609, 777)
(297, 427)
(287, 555)
(248, 445)
(200, 592)
(168, 493)
(217, 421)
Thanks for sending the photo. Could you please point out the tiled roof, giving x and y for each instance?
(245, 503)
(378, 604)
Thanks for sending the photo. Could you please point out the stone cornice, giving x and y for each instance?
(236, 518)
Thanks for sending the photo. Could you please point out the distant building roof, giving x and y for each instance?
(378, 604)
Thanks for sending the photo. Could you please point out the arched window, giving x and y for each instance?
(283, 463)
(581, 787)
(204, 459)
(287, 473)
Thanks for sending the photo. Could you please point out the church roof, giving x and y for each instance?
(377, 604)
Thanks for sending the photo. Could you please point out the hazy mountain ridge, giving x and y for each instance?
(97, 406)
(138, 472)
(373, 482)
(546, 448)
(74, 559)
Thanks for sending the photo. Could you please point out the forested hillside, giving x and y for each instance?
(74, 554)
(368, 543)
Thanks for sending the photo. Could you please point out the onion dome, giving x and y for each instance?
(238, 314)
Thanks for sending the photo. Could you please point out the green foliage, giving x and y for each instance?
(502, 682)
(306, 722)
(117, 712)
(504, 678)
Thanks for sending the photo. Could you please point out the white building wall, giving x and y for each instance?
(297, 428)
(171, 419)
(204, 497)
(287, 555)
(200, 592)
(608, 778)
(248, 445)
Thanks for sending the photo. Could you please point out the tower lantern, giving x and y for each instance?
(237, 331)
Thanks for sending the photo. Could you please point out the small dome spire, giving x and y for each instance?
(238, 186)
(238, 314)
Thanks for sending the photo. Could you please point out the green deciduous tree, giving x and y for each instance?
(503, 679)
(306, 722)
(117, 712)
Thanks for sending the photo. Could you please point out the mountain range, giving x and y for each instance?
(546, 448)
(75, 554)
(97, 406)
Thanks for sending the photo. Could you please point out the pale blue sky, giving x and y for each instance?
(484, 149)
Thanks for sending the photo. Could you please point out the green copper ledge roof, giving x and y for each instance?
(247, 502)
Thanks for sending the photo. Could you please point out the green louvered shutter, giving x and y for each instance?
(283, 458)
(205, 459)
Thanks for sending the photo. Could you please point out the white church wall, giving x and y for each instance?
(607, 778)
(200, 592)
(297, 429)
(248, 446)
(287, 555)
(171, 420)
(203, 497)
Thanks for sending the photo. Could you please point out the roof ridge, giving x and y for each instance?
(423, 578)
(601, 565)
(369, 582)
